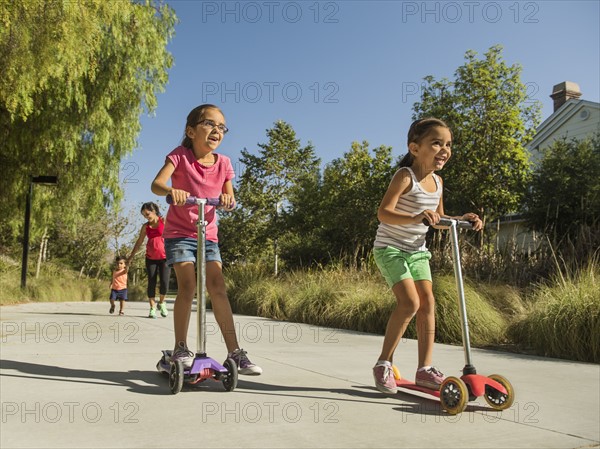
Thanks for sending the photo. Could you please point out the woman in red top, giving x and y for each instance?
(156, 259)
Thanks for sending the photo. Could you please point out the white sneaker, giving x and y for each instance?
(182, 353)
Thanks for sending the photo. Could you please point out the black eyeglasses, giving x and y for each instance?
(210, 124)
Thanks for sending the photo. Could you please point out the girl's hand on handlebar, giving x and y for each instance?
(179, 196)
(474, 219)
(227, 201)
(431, 216)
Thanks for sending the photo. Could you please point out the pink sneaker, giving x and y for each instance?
(429, 377)
(384, 379)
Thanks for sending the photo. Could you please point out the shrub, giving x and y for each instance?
(564, 317)
(486, 323)
(55, 283)
(356, 300)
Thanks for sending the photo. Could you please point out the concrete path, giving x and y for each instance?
(72, 376)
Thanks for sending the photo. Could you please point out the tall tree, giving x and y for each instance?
(74, 79)
(266, 186)
(93, 243)
(303, 242)
(492, 120)
(83, 248)
(353, 187)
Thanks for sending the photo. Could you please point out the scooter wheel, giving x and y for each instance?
(396, 372)
(230, 379)
(454, 395)
(176, 377)
(496, 399)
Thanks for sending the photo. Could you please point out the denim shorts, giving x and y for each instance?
(397, 265)
(185, 250)
(118, 294)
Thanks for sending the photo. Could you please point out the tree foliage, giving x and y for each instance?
(322, 217)
(81, 249)
(74, 79)
(353, 187)
(492, 120)
(333, 215)
(268, 183)
(565, 191)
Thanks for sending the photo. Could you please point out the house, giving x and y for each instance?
(572, 118)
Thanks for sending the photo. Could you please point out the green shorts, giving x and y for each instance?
(397, 265)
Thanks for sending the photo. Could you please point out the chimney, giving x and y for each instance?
(563, 92)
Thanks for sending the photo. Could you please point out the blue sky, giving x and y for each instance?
(344, 71)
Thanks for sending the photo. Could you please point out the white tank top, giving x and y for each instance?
(410, 238)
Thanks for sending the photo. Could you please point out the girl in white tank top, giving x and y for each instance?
(414, 195)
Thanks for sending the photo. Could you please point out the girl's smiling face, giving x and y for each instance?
(434, 149)
(206, 135)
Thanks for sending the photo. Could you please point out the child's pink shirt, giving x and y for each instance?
(119, 279)
(200, 181)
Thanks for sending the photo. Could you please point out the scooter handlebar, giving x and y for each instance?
(448, 222)
(194, 200)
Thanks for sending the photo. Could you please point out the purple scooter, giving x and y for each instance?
(203, 367)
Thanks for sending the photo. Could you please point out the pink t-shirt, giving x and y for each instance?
(155, 247)
(200, 181)
(119, 279)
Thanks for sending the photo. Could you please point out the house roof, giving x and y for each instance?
(558, 119)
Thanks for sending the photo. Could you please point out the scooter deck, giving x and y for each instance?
(410, 385)
(199, 364)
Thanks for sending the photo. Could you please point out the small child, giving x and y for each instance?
(118, 286)
(414, 194)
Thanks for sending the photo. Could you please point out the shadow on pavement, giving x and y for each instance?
(133, 380)
(154, 383)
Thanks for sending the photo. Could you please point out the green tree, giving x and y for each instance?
(92, 245)
(84, 248)
(492, 120)
(75, 78)
(353, 187)
(302, 241)
(564, 198)
(264, 190)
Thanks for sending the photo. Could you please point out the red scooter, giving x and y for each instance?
(455, 392)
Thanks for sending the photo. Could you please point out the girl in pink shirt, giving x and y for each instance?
(156, 258)
(195, 169)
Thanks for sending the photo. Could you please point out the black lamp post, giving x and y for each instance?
(44, 180)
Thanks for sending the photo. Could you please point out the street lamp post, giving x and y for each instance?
(44, 180)
(275, 249)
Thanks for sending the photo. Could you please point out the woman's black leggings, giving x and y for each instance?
(156, 268)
